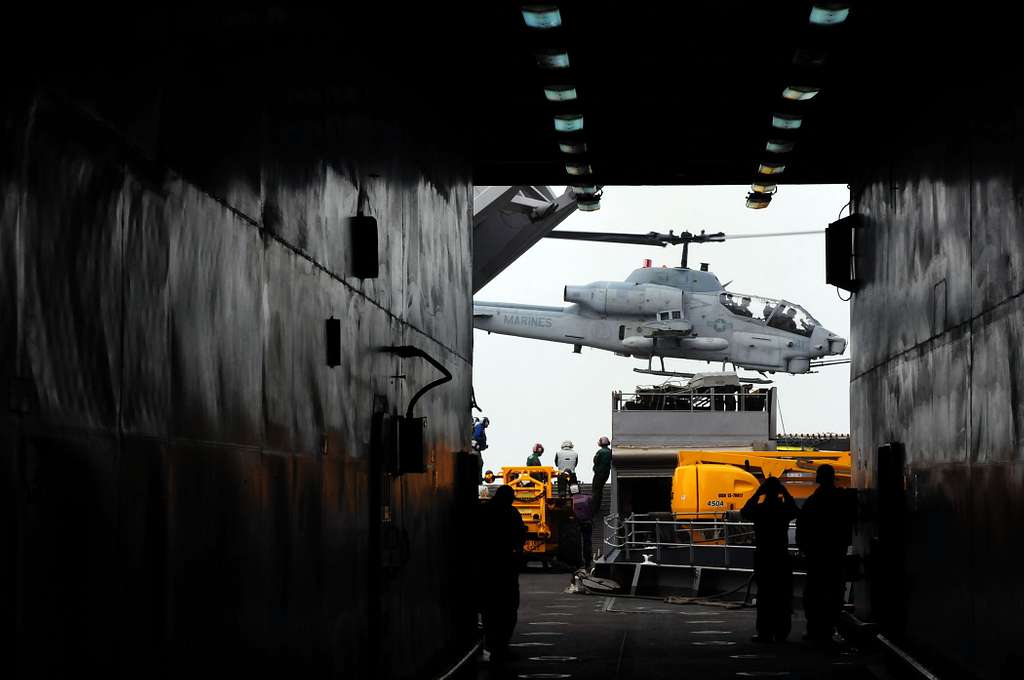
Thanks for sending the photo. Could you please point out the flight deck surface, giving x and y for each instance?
(562, 635)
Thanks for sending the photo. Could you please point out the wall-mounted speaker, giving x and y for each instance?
(841, 254)
(332, 337)
(362, 231)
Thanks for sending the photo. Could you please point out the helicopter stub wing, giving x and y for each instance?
(666, 329)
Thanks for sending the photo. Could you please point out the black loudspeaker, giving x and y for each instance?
(840, 253)
(332, 335)
(362, 231)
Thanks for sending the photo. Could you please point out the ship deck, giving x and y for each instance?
(563, 635)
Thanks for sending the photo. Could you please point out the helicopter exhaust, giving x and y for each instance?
(616, 297)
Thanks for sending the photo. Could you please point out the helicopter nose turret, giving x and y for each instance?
(825, 343)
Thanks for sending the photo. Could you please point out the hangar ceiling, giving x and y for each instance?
(684, 93)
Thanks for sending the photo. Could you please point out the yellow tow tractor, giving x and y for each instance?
(552, 531)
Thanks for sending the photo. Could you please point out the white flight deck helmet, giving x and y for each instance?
(567, 444)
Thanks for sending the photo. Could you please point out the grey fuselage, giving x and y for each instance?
(626, 318)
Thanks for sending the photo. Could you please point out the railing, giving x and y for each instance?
(713, 399)
(718, 542)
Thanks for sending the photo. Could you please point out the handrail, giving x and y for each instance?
(728, 400)
(640, 532)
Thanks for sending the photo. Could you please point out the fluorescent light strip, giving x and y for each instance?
(829, 15)
(569, 123)
(800, 93)
(779, 146)
(784, 121)
(553, 59)
(560, 93)
(771, 168)
(758, 201)
(543, 17)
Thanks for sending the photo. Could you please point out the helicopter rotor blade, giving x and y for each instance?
(733, 237)
(651, 238)
(660, 239)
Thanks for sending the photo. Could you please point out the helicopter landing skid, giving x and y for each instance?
(667, 374)
(755, 381)
(673, 374)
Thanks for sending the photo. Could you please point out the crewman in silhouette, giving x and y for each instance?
(823, 532)
(602, 468)
(771, 509)
(503, 534)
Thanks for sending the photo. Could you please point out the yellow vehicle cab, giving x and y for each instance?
(709, 484)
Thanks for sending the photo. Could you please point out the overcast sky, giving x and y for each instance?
(536, 391)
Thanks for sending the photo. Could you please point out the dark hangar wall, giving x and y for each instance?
(937, 332)
(184, 483)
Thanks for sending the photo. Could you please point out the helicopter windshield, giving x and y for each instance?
(775, 313)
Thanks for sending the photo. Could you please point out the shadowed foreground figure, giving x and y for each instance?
(823, 532)
(502, 535)
(602, 468)
(773, 567)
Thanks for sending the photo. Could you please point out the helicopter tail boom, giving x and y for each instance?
(554, 324)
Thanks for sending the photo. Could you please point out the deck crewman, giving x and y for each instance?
(602, 468)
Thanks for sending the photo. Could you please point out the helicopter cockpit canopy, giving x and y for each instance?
(779, 314)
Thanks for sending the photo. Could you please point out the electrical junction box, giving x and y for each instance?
(399, 441)
(412, 449)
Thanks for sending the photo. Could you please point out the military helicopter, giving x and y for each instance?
(673, 312)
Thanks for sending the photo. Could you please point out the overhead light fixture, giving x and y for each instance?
(542, 16)
(829, 13)
(570, 122)
(786, 121)
(809, 58)
(560, 93)
(779, 146)
(763, 188)
(552, 59)
(570, 147)
(771, 168)
(589, 203)
(799, 93)
(578, 168)
(757, 201)
(584, 190)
